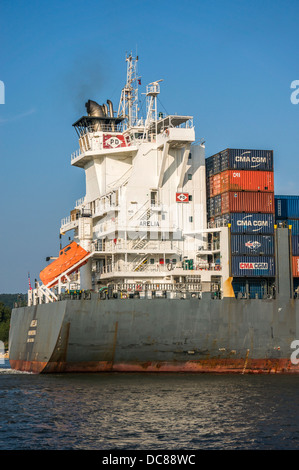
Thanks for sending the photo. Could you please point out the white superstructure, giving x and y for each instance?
(143, 217)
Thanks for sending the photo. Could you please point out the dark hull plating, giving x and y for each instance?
(160, 335)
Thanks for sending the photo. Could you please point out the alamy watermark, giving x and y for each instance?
(295, 93)
(294, 358)
(2, 92)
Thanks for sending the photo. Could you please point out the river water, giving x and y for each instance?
(147, 411)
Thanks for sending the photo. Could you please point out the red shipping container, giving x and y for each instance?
(210, 186)
(214, 185)
(247, 201)
(295, 266)
(233, 180)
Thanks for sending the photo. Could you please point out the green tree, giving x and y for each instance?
(5, 313)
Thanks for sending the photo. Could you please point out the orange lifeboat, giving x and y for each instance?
(68, 257)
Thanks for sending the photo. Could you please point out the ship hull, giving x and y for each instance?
(158, 335)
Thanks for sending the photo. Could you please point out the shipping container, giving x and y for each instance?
(210, 208)
(251, 244)
(252, 223)
(209, 186)
(242, 159)
(295, 245)
(292, 223)
(220, 221)
(295, 266)
(239, 159)
(215, 185)
(232, 180)
(247, 201)
(296, 287)
(253, 266)
(213, 165)
(214, 206)
(287, 207)
(252, 288)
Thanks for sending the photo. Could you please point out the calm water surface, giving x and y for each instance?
(147, 412)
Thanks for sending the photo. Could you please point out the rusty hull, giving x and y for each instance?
(221, 366)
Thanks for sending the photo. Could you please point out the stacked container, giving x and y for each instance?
(240, 192)
(287, 214)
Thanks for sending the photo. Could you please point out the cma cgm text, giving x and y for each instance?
(252, 223)
(253, 265)
(251, 159)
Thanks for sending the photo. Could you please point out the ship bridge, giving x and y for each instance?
(171, 121)
(177, 131)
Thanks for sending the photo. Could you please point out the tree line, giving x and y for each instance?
(7, 302)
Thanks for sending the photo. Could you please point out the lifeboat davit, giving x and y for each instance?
(69, 257)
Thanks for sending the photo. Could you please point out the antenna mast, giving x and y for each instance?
(128, 105)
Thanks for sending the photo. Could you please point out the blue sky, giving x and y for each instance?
(230, 64)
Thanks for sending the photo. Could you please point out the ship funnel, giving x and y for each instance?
(105, 109)
(94, 109)
(110, 107)
(111, 114)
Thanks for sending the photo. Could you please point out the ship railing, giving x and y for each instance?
(101, 127)
(73, 219)
(103, 207)
(146, 267)
(218, 223)
(146, 286)
(76, 154)
(207, 267)
(186, 125)
(158, 290)
(65, 221)
(112, 225)
(214, 246)
(140, 244)
(79, 202)
(41, 294)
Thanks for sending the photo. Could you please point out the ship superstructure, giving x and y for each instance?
(143, 218)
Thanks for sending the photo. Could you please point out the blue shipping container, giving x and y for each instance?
(239, 159)
(252, 223)
(286, 207)
(295, 245)
(255, 288)
(252, 244)
(253, 266)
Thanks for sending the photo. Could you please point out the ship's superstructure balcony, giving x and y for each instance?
(72, 221)
(139, 246)
(146, 270)
(209, 248)
(96, 144)
(177, 131)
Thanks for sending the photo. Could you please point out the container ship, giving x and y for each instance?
(174, 262)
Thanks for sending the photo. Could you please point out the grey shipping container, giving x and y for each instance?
(293, 223)
(251, 244)
(214, 206)
(286, 207)
(253, 266)
(252, 223)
